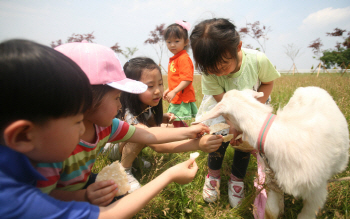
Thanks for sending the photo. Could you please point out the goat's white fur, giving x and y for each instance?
(307, 143)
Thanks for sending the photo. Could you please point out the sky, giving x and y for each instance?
(128, 23)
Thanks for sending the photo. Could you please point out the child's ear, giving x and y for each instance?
(239, 47)
(19, 136)
(186, 42)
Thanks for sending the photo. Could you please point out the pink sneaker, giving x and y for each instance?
(211, 189)
(235, 192)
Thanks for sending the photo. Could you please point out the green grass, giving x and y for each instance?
(175, 201)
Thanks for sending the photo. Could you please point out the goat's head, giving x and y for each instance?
(230, 104)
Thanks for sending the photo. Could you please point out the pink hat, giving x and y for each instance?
(101, 65)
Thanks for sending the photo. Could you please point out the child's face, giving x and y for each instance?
(176, 45)
(107, 110)
(153, 79)
(56, 139)
(227, 67)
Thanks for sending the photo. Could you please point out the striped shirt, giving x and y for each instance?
(73, 173)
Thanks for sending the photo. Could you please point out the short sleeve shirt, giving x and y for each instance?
(255, 66)
(181, 68)
(19, 198)
(73, 173)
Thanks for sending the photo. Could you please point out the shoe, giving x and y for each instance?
(235, 192)
(134, 184)
(211, 189)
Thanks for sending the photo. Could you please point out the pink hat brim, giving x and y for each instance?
(129, 85)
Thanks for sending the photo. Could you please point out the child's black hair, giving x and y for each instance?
(213, 41)
(133, 69)
(177, 31)
(39, 83)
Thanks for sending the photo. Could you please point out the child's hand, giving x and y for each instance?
(196, 131)
(210, 143)
(169, 117)
(184, 172)
(101, 193)
(169, 95)
(235, 133)
(165, 94)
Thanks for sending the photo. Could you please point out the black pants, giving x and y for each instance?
(240, 161)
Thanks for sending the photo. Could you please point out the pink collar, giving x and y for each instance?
(263, 132)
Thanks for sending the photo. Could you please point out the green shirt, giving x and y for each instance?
(255, 67)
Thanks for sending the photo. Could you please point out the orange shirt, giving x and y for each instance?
(181, 68)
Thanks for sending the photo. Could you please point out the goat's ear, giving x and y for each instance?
(213, 113)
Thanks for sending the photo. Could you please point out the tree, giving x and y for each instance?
(75, 38)
(90, 37)
(257, 33)
(292, 52)
(316, 47)
(156, 39)
(340, 56)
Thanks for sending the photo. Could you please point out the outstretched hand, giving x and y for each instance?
(210, 143)
(196, 131)
(184, 172)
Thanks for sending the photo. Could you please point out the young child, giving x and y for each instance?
(180, 93)
(146, 110)
(72, 178)
(218, 53)
(43, 97)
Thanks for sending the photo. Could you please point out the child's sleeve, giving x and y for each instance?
(211, 86)
(266, 71)
(186, 69)
(51, 171)
(26, 201)
(121, 131)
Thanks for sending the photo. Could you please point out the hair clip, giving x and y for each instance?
(184, 25)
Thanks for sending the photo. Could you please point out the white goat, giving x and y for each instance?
(307, 143)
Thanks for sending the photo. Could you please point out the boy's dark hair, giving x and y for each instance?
(133, 69)
(39, 83)
(212, 41)
(176, 31)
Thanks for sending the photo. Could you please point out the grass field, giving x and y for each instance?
(185, 201)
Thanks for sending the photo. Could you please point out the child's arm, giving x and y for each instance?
(169, 95)
(266, 88)
(159, 135)
(207, 143)
(129, 205)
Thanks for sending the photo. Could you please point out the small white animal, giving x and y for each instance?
(307, 144)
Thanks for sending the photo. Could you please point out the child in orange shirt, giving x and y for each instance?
(180, 93)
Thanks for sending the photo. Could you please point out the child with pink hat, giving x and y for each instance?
(72, 179)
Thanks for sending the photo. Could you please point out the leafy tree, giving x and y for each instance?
(90, 37)
(340, 56)
(316, 47)
(259, 34)
(156, 39)
(75, 38)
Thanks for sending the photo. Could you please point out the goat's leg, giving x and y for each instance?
(313, 202)
(274, 204)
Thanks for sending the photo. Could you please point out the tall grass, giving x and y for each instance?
(185, 201)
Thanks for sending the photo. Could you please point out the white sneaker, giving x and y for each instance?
(235, 192)
(134, 184)
(145, 163)
(211, 189)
